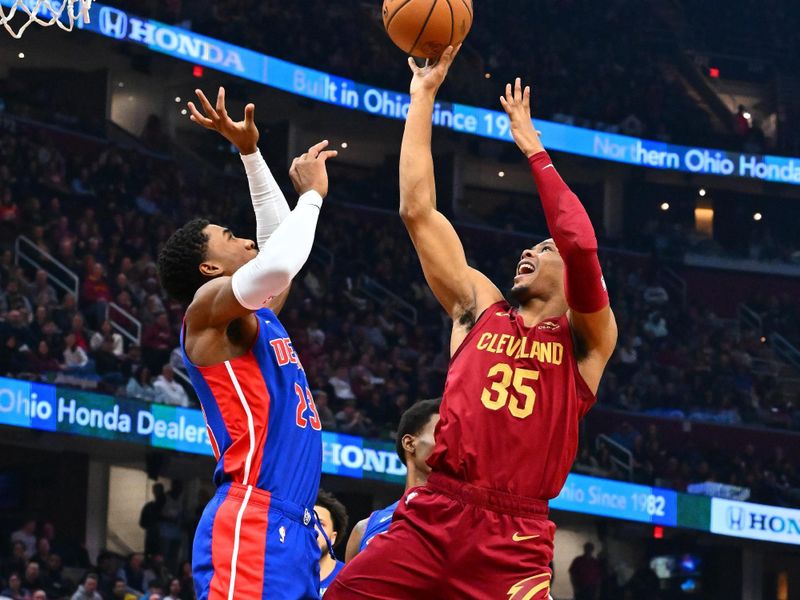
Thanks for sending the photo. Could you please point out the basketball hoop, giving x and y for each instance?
(63, 13)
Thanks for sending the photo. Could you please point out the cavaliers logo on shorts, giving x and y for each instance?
(527, 589)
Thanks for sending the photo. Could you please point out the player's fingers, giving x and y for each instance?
(317, 148)
(249, 114)
(221, 101)
(210, 112)
(323, 156)
(412, 65)
(509, 94)
(505, 105)
(518, 89)
(197, 117)
(526, 97)
(447, 55)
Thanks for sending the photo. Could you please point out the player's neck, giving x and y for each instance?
(537, 310)
(326, 565)
(414, 477)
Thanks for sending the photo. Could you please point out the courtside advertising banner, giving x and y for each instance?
(755, 521)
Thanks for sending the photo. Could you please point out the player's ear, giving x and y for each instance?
(334, 534)
(211, 269)
(408, 443)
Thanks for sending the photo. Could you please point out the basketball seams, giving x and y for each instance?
(424, 26)
(452, 23)
(469, 10)
(397, 10)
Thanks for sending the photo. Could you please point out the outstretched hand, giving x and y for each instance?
(242, 134)
(428, 79)
(308, 172)
(517, 104)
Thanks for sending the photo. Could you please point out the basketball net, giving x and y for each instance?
(63, 13)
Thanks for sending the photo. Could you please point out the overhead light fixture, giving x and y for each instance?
(665, 206)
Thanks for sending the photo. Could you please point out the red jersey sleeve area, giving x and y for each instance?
(574, 236)
(511, 406)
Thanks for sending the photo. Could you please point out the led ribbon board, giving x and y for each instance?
(323, 87)
(45, 407)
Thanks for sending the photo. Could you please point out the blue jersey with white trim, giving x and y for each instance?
(378, 523)
(261, 419)
(328, 581)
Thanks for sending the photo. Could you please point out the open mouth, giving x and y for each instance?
(526, 267)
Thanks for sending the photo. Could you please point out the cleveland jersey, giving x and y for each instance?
(511, 406)
(378, 523)
(262, 423)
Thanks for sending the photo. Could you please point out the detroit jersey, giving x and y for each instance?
(378, 523)
(326, 583)
(511, 406)
(262, 423)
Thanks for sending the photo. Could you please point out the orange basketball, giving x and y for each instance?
(424, 28)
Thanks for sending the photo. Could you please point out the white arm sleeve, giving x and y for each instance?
(269, 203)
(281, 257)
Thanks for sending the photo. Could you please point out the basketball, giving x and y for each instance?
(424, 28)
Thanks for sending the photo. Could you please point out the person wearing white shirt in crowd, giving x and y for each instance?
(27, 536)
(106, 330)
(74, 356)
(169, 391)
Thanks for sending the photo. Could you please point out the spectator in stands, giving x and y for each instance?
(79, 330)
(43, 361)
(15, 591)
(174, 589)
(186, 580)
(33, 577)
(158, 341)
(58, 586)
(326, 416)
(351, 420)
(42, 554)
(586, 574)
(170, 524)
(169, 391)
(26, 535)
(88, 589)
(16, 562)
(140, 385)
(41, 292)
(76, 362)
(134, 575)
(106, 331)
(154, 590)
(120, 591)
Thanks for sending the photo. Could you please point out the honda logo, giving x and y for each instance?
(113, 23)
(736, 516)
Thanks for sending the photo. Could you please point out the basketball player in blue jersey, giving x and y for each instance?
(331, 524)
(414, 445)
(256, 538)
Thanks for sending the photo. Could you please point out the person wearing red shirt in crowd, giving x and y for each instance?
(586, 574)
(78, 329)
(95, 292)
(158, 341)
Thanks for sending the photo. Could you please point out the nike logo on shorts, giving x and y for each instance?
(522, 538)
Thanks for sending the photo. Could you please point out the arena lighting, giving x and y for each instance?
(713, 72)
(184, 112)
(487, 75)
(747, 115)
(197, 71)
(763, 340)
(665, 206)
(702, 192)
(344, 145)
(658, 532)
(757, 216)
(501, 174)
(177, 99)
(21, 55)
(121, 84)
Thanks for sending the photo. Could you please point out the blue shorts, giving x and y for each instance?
(251, 545)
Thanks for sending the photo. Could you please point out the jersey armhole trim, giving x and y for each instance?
(474, 331)
(250, 350)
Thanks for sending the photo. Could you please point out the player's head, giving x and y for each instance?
(540, 273)
(415, 433)
(332, 517)
(197, 253)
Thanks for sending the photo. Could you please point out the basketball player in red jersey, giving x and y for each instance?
(520, 380)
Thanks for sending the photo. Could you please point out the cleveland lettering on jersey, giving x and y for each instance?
(521, 348)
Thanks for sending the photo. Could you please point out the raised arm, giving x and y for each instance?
(591, 317)
(269, 203)
(462, 291)
(255, 284)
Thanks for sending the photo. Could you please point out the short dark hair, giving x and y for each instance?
(414, 420)
(180, 258)
(337, 510)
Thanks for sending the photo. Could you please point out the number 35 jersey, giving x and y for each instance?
(511, 406)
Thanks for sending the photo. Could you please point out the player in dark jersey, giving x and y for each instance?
(331, 524)
(519, 381)
(414, 445)
(256, 537)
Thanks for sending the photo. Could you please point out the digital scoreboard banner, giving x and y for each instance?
(323, 87)
(52, 408)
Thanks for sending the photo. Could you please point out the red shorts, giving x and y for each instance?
(452, 540)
